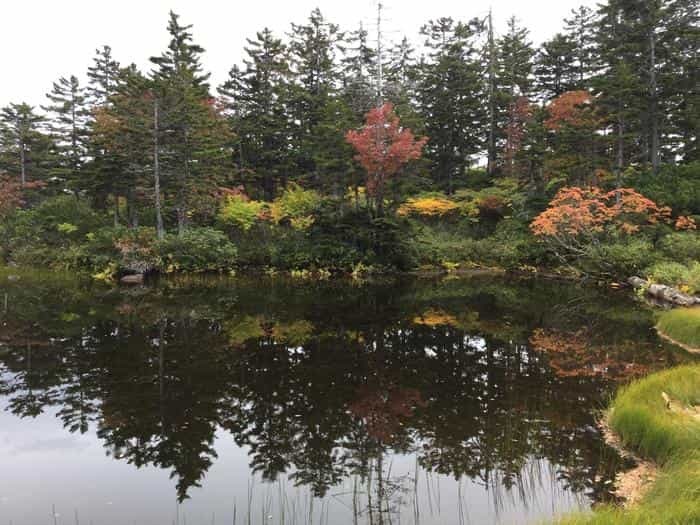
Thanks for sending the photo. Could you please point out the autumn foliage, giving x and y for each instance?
(432, 206)
(520, 113)
(383, 147)
(572, 108)
(588, 211)
(12, 193)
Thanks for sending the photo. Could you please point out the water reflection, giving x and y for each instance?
(363, 396)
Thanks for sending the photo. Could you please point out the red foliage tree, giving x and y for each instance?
(572, 108)
(12, 193)
(383, 147)
(519, 114)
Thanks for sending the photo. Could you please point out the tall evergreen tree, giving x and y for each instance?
(514, 88)
(313, 51)
(104, 171)
(450, 97)
(255, 97)
(103, 76)
(580, 30)
(193, 144)
(23, 148)
(68, 127)
(555, 67)
(359, 70)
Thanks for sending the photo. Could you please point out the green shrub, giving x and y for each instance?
(684, 277)
(619, 259)
(196, 250)
(239, 212)
(674, 186)
(681, 246)
(43, 235)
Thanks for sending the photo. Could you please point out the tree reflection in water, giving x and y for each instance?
(325, 384)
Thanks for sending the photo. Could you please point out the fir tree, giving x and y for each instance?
(555, 68)
(450, 94)
(313, 49)
(189, 152)
(68, 127)
(23, 148)
(255, 98)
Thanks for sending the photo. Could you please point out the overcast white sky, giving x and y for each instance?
(42, 40)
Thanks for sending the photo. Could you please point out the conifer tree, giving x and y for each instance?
(359, 65)
(194, 145)
(514, 87)
(103, 84)
(23, 148)
(555, 67)
(313, 51)
(255, 98)
(450, 94)
(103, 76)
(580, 30)
(68, 126)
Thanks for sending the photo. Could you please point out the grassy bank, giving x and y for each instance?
(668, 436)
(682, 325)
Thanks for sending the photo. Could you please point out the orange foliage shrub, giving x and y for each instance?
(685, 223)
(588, 211)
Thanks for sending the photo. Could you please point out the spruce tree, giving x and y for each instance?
(255, 97)
(580, 30)
(359, 70)
(104, 171)
(450, 98)
(313, 51)
(194, 149)
(68, 126)
(555, 67)
(514, 88)
(23, 148)
(103, 77)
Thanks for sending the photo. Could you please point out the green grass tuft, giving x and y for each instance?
(640, 417)
(682, 325)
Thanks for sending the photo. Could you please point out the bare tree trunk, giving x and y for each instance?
(156, 172)
(22, 165)
(653, 110)
(181, 205)
(492, 102)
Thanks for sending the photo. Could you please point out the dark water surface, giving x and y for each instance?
(462, 401)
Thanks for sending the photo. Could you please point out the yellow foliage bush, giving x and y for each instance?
(433, 206)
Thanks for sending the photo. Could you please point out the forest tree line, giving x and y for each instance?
(610, 98)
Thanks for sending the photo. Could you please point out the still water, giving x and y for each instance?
(267, 401)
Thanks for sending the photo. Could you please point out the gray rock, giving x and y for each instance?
(671, 295)
(636, 282)
(136, 278)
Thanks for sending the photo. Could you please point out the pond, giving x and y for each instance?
(265, 400)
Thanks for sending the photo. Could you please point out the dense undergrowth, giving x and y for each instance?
(485, 223)
(671, 438)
